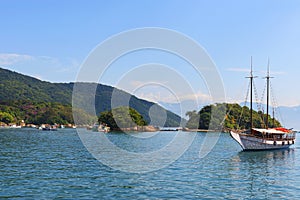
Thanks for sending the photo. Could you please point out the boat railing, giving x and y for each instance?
(282, 138)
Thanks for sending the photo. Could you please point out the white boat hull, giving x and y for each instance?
(250, 143)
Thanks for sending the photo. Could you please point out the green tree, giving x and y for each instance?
(193, 121)
(122, 117)
(6, 117)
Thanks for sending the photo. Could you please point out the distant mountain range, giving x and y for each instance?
(182, 108)
(15, 86)
(290, 116)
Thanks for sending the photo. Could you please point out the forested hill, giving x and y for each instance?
(228, 116)
(15, 86)
(18, 87)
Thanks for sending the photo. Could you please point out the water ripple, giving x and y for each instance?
(55, 165)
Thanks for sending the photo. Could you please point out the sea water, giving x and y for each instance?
(38, 164)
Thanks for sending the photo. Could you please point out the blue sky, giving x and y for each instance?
(50, 39)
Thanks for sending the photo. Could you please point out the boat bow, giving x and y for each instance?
(236, 137)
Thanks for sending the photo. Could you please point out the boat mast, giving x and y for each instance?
(251, 85)
(273, 120)
(251, 96)
(268, 93)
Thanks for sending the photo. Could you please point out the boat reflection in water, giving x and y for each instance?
(263, 174)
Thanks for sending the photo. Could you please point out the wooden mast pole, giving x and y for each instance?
(251, 96)
(268, 93)
(251, 83)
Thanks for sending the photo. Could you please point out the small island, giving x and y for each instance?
(227, 117)
(125, 119)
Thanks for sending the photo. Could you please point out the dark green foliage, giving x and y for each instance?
(17, 87)
(227, 116)
(40, 113)
(105, 94)
(193, 121)
(6, 117)
(122, 117)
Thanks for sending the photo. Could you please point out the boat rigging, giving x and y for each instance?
(263, 138)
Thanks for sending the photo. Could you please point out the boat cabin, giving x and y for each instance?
(274, 134)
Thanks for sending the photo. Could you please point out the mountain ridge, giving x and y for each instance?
(16, 86)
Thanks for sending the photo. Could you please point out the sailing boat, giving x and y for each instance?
(263, 138)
